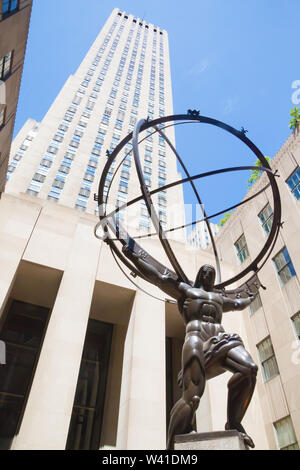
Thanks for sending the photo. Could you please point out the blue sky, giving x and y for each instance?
(234, 60)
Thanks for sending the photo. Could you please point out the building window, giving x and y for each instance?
(125, 175)
(162, 217)
(80, 206)
(293, 183)
(58, 183)
(74, 143)
(5, 66)
(241, 249)
(284, 266)
(54, 194)
(32, 192)
(267, 359)
(266, 218)
(77, 99)
(52, 149)
(38, 177)
(64, 169)
(93, 163)
(2, 115)
(58, 138)
(23, 331)
(285, 434)
(123, 189)
(88, 177)
(87, 414)
(9, 6)
(255, 305)
(296, 323)
(84, 192)
(69, 155)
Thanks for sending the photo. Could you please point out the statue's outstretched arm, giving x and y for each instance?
(165, 282)
(230, 304)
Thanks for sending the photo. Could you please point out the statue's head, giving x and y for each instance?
(205, 278)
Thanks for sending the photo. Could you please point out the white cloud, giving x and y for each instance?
(230, 104)
(199, 68)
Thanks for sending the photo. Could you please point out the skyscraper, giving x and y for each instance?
(125, 76)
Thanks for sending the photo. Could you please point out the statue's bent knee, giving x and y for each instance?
(252, 370)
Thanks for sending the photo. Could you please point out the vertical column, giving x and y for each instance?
(47, 416)
(17, 220)
(142, 415)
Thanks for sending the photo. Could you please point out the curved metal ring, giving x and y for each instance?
(105, 218)
(205, 219)
(240, 135)
(152, 213)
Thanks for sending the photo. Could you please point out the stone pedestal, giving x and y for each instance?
(219, 440)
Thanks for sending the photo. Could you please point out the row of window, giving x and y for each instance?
(286, 440)
(129, 77)
(265, 348)
(85, 189)
(125, 173)
(5, 65)
(285, 434)
(21, 151)
(5, 70)
(152, 85)
(59, 181)
(9, 7)
(65, 166)
(266, 219)
(282, 260)
(47, 160)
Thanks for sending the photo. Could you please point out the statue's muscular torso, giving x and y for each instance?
(198, 305)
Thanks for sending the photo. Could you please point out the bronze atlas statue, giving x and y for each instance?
(208, 350)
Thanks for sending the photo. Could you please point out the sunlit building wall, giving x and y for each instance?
(14, 26)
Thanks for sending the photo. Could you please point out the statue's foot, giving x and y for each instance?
(246, 438)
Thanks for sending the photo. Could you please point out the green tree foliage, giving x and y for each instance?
(295, 115)
(225, 218)
(255, 174)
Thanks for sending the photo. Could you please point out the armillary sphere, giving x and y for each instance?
(113, 232)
